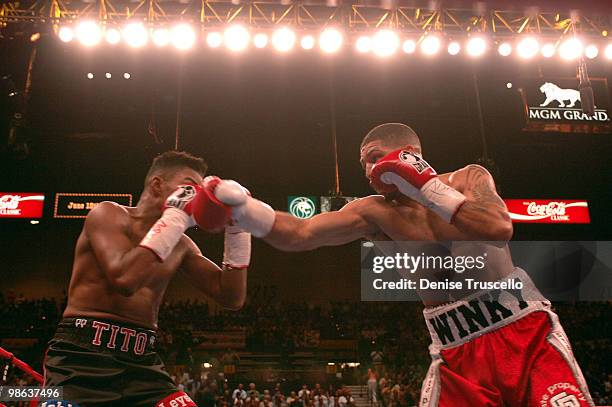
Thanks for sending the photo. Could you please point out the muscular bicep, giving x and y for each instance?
(326, 229)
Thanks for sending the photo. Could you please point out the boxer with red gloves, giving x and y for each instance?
(103, 353)
(512, 361)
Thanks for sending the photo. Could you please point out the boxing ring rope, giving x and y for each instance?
(21, 365)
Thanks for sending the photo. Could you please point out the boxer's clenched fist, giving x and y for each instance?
(210, 213)
(248, 213)
(183, 199)
(409, 173)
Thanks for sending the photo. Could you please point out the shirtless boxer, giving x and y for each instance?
(103, 353)
(489, 348)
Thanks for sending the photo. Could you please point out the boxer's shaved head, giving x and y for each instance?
(393, 135)
(165, 164)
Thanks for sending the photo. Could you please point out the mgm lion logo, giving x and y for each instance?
(302, 207)
(553, 92)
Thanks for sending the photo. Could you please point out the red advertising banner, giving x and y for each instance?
(26, 205)
(548, 210)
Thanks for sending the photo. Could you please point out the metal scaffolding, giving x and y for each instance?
(22, 15)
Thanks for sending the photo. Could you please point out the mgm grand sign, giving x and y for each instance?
(555, 105)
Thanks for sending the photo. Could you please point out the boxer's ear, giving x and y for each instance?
(155, 186)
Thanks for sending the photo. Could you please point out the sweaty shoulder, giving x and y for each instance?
(106, 213)
(468, 175)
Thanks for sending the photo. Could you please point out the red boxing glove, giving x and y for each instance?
(407, 172)
(210, 213)
(408, 165)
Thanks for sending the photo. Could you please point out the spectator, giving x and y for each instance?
(239, 393)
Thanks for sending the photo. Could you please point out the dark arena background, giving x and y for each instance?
(82, 116)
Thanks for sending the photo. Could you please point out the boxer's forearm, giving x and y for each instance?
(326, 229)
(289, 234)
(232, 288)
(481, 221)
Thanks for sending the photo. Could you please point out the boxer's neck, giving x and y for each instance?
(148, 209)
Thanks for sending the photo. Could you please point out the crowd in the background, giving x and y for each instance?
(209, 392)
(391, 338)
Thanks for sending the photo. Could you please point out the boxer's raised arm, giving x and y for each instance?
(226, 286)
(126, 267)
(326, 229)
(484, 215)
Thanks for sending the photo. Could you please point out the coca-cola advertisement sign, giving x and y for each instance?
(548, 210)
(21, 205)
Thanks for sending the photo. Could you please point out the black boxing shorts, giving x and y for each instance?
(108, 363)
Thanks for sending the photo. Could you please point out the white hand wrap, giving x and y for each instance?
(237, 250)
(166, 232)
(248, 213)
(442, 199)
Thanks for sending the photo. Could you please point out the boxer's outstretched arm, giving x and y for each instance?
(327, 229)
(127, 267)
(227, 287)
(484, 215)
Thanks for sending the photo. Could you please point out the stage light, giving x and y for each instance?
(509, 85)
(65, 34)
(182, 36)
(591, 51)
(528, 47)
(283, 39)
(307, 42)
(113, 36)
(35, 37)
(161, 37)
(127, 75)
(135, 35)
(260, 40)
(454, 48)
(409, 46)
(330, 40)
(214, 39)
(548, 50)
(90, 75)
(363, 44)
(88, 33)
(236, 38)
(108, 75)
(476, 46)
(504, 49)
(430, 45)
(570, 49)
(608, 51)
(385, 43)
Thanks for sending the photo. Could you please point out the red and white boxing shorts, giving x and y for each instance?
(494, 348)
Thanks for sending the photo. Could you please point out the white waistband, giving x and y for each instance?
(458, 322)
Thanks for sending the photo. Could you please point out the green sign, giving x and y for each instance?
(302, 207)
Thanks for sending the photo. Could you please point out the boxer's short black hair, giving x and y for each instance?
(171, 160)
(394, 135)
